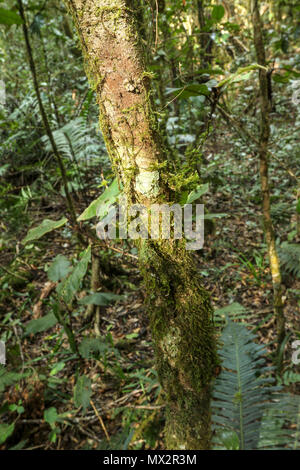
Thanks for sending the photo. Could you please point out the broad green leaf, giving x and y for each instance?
(9, 17)
(232, 26)
(68, 288)
(298, 206)
(51, 416)
(293, 72)
(100, 298)
(217, 13)
(242, 78)
(46, 226)
(100, 206)
(236, 76)
(82, 392)
(198, 192)
(59, 268)
(57, 368)
(195, 89)
(18, 408)
(280, 78)
(5, 431)
(41, 324)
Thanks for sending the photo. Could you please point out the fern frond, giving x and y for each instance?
(235, 311)
(280, 427)
(240, 390)
(248, 411)
(281, 211)
(289, 254)
(74, 141)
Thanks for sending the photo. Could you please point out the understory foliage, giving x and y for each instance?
(248, 410)
(290, 258)
(80, 370)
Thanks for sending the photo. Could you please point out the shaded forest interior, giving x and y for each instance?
(115, 343)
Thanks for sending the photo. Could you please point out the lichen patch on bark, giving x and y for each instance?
(147, 183)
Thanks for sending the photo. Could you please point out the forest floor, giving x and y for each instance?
(125, 404)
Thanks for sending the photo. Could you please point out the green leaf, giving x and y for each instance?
(298, 206)
(18, 408)
(68, 288)
(195, 89)
(59, 268)
(280, 78)
(51, 416)
(100, 206)
(230, 440)
(3, 169)
(214, 216)
(41, 324)
(20, 445)
(57, 368)
(9, 17)
(217, 13)
(82, 392)
(46, 226)
(5, 431)
(198, 192)
(242, 78)
(100, 298)
(239, 74)
(53, 434)
(235, 310)
(291, 71)
(9, 378)
(91, 345)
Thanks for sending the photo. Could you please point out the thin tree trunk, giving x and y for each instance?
(179, 307)
(95, 283)
(266, 106)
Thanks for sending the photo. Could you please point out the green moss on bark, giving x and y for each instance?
(183, 334)
(179, 308)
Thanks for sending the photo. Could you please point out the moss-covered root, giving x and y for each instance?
(183, 335)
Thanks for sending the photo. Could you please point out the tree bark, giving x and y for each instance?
(179, 308)
(266, 106)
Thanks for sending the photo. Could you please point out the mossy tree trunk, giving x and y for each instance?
(266, 107)
(179, 308)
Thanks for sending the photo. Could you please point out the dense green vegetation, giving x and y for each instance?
(111, 344)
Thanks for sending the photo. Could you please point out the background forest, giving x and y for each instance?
(80, 370)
